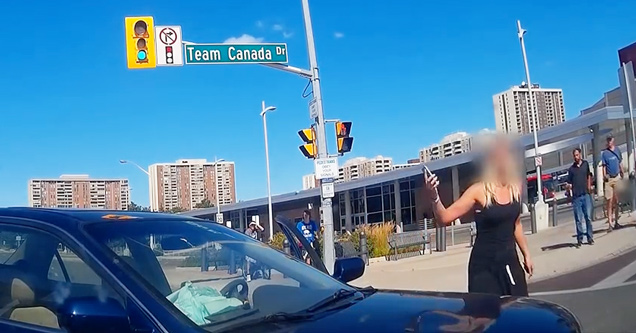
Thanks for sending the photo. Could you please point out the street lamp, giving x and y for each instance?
(218, 201)
(540, 206)
(152, 237)
(264, 111)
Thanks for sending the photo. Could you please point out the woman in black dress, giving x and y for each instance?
(494, 265)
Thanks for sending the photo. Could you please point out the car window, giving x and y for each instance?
(39, 275)
(213, 275)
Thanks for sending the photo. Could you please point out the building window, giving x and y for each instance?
(407, 201)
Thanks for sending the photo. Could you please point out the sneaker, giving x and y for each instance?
(578, 244)
(590, 241)
(248, 278)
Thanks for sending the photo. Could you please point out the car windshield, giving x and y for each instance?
(215, 276)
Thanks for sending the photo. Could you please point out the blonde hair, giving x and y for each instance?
(491, 178)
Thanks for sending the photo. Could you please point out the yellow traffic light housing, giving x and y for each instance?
(344, 141)
(140, 42)
(308, 136)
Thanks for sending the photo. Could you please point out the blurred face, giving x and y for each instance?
(577, 156)
(610, 142)
(306, 216)
(500, 158)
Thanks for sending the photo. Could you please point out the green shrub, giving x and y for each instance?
(277, 241)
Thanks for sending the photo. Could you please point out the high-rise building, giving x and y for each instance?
(360, 167)
(408, 164)
(79, 191)
(310, 181)
(452, 144)
(185, 183)
(512, 108)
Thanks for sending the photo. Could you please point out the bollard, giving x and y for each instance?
(473, 233)
(440, 238)
(555, 213)
(533, 219)
(453, 234)
(364, 251)
(204, 259)
(286, 247)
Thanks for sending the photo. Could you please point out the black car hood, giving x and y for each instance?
(409, 311)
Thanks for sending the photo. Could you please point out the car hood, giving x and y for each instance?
(409, 311)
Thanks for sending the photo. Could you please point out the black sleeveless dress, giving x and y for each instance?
(494, 266)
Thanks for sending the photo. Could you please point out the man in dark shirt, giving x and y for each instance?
(580, 185)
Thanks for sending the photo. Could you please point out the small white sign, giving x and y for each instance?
(328, 190)
(538, 161)
(313, 109)
(219, 218)
(169, 44)
(326, 167)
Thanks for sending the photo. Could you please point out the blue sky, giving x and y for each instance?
(405, 72)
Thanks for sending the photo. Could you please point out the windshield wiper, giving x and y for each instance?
(334, 298)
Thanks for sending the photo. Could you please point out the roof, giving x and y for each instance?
(558, 132)
(67, 218)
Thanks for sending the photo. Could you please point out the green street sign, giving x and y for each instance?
(201, 54)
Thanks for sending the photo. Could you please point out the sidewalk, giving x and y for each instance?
(552, 251)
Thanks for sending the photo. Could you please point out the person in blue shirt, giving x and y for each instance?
(308, 228)
(612, 174)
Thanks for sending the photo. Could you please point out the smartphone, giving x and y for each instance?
(426, 170)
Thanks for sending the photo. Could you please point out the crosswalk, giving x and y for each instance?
(621, 276)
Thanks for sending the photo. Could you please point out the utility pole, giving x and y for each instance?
(321, 138)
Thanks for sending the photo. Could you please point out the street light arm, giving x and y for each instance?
(291, 69)
(136, 165)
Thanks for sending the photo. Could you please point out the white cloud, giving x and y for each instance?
(277, 27)
(244, 39)
(338, 34)
(287, 34)
(260, 24)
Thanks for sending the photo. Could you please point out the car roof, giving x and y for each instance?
(74, 217)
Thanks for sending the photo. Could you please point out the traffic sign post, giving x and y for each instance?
(206, 54)
(169, 41)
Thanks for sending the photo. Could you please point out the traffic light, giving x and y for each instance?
(343, 129)
(140, 42)
(308, 136)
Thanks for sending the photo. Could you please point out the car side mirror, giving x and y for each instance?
(348, 269)
(90, 314)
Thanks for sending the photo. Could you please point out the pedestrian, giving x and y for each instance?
(308, 229)
(579, 184)
(612, 174)
(495, 201)
(252, 233)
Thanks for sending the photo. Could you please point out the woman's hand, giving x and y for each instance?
(528, 265)
(430, 185)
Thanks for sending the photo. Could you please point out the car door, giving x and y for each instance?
(294, 237)
(43, 274)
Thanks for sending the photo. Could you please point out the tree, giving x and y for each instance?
(133, 207)
(175, 210)
(205, 203)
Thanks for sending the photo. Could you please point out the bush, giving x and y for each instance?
(277, 241)
(191, 261)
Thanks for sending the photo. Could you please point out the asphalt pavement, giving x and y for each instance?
(602, 296)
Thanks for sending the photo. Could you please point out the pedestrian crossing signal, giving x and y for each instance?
(344, 141)
(308, 149)
(140, 42)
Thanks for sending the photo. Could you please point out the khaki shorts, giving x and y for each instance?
(611, 187)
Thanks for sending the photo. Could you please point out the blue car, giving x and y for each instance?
(93, 271)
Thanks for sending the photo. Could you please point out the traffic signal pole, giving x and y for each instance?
(329, 253)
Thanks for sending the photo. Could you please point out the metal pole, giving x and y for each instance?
(520, 33)
(269, 186)
(327, 210)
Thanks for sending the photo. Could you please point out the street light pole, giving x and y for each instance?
(533, 118)
(264, 111)
(327, 209)
(152, 237)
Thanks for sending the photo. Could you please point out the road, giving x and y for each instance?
(601, 296)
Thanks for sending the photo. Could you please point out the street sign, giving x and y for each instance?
(169, 45)
(313, 109)
(219, 218)
(538, 161)
(328, 190)
(205, 54)
(326, 167)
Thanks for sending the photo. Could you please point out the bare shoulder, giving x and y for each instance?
(476, 192)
